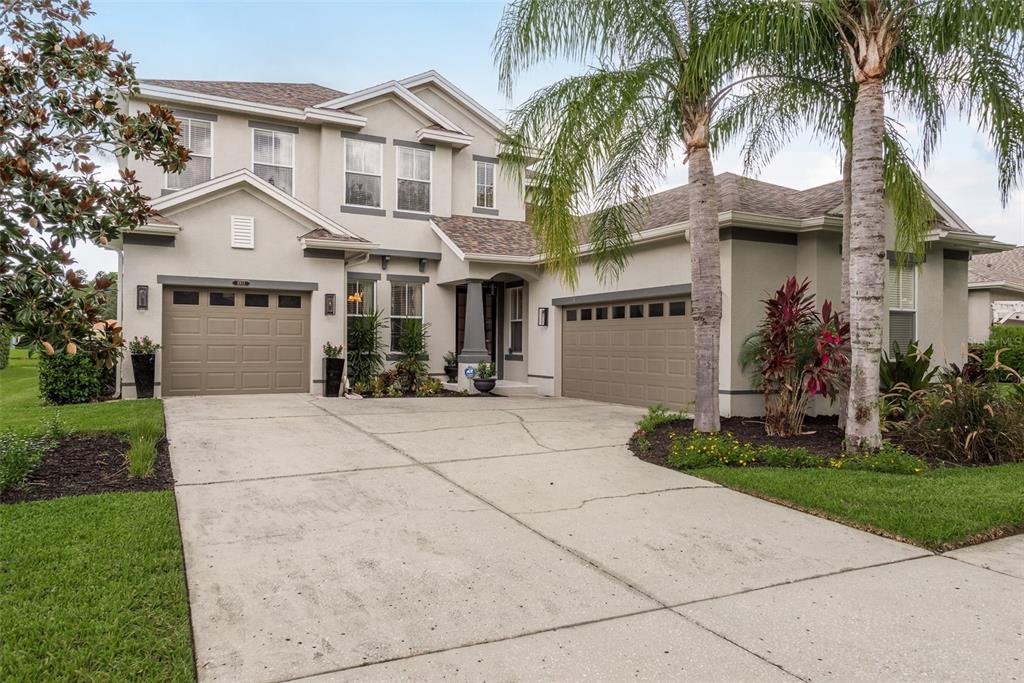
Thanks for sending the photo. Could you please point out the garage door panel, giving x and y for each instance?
(252, 327)
(234, 349)
(222, 326)
(221, 353)
(630, 360)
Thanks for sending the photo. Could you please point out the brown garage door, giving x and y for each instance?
(220, 341)
(637, 352)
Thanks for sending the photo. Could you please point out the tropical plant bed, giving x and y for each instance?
(89, 464)
(822, 436)
(444, 393)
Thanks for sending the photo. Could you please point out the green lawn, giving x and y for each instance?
(92, 588)
(939, 509)
(21, 408)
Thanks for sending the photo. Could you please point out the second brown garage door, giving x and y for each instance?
(638, 352)
(218, 341)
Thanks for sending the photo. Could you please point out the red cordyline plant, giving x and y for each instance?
(801, 355)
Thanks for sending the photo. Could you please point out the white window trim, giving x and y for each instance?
(213, 173)
(430, 183)
(372, 288)
(494, 183)
(344, 175)
(422, 317)
(295, 154)
(522, 306)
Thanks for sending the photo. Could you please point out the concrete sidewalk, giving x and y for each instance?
(517, 539)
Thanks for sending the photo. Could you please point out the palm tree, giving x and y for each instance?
(961, 54)
(773, 111)
(598, 141)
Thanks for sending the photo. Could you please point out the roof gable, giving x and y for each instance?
(400, 92)
(243, 178)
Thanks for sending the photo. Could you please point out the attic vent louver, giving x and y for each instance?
(243, 232)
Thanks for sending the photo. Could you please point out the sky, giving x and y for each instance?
(352, 45)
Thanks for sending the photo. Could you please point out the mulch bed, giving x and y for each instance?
(824, 437)
(89, 464)
(444, 393)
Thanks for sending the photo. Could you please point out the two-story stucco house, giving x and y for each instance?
(303, 206)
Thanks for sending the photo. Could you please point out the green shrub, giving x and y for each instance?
(891, 458)
(412, 346)
(657, 415)
(5, 347)
(911, 369)
(696, 451)
(1008, 342)
(18, 457)
(966, 422)
(365, 347)
(66, 378)
(142, 455)
(428, 386)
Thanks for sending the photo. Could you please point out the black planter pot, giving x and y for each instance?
(451, 371)
(484, 386)
(143, 367)
(334, 376)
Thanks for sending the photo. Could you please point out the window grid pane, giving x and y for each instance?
(485, 184)
(406, 303)
(198, 137)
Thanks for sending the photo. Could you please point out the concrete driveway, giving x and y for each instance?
(516, 539)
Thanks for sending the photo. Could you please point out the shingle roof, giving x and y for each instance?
(298, 95)
(325, 234)
(1005, 266)
(476, 235)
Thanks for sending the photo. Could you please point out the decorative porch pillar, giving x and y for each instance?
(474, 346)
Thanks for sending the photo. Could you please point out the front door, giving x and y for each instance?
(491, 298)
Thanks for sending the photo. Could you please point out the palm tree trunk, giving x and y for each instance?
(844, 276)
(867, 266)
(706, 276)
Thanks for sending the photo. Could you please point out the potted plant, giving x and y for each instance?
(334, 369)
(143, 351)
(451, 366)
(484, 379)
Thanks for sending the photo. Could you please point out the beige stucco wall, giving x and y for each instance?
(980, 310)
(202, 249)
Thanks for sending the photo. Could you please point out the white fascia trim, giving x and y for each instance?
(498, 258)
(453, 139)
(336, 245)
(944, 210)
(155, 92)
(401, 92)
(447, 241)
(155, 229)
(455, 92)
(244, 176)
(1002, 284)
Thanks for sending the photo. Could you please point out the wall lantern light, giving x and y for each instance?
(330, 304)
(142, 297)
(542, 316)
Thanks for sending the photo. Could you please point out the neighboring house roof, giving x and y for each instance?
(298, 95)
(1000, 270)
(244, 177)
(491, 236)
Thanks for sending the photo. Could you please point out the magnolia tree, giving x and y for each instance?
(799, 353)
(62, 92)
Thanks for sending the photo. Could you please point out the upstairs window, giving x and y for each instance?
(413, 171)
(515, 320)
(485, 184)
(901, 297)
(198, 137)
(363, 164)
(273, 157)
